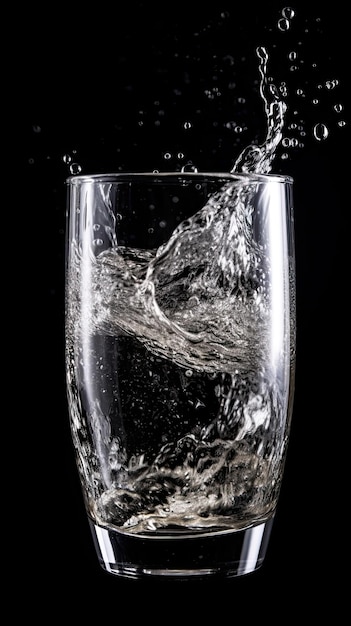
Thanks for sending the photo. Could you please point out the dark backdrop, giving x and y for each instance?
(120, 89)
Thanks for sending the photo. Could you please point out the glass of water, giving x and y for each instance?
(180, 359)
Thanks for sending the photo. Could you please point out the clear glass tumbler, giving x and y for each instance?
(180, 359)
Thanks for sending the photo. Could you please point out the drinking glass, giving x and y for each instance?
(180, 359)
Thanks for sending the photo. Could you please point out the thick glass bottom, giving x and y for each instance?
(181, 556)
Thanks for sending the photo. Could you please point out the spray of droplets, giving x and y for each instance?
(298, 94)
(74, 167)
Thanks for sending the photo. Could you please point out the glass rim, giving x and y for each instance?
(140, 176)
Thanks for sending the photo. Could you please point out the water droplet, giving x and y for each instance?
(189, 167)
(150, 231)
(283, 24)
(163, 224)
(98, 242)
(36, 128)
(338, 108)
(331, 84)
(315, 101)
(188, 373)
(175, 199)
(288, 12)
(67, 158)
(292, 55)
(342, 123)
(31, 160)
(238, 129)
(286, 142)
(118, 217)
(96, 227)
(75, 168)
(320, 131)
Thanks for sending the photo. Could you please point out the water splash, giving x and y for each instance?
(258, 159)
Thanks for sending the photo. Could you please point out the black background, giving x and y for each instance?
(113, 88)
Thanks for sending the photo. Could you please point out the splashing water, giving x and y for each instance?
(258, 159)
(186, 327)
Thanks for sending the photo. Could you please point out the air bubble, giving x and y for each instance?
(320, 131)
(96, 227)
(98, 242)
(338, 108)
(180, 155)
(188, 373)
(67, 158)
(293, 55)
(187, 125)
(167, 156)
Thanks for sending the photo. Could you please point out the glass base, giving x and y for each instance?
(220, 554)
